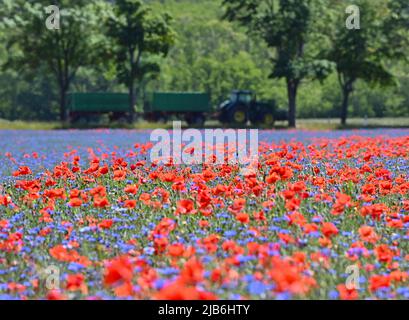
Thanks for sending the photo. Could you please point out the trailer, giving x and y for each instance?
(86, 105)
(193, 107)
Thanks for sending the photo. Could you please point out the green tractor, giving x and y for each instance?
(243, 106)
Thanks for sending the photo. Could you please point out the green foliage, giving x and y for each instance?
(287, 27)
(60, 52)
(363, 53)
(211, 56)
(138, 37)
(208, 54)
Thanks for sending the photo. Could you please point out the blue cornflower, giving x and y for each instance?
(256, 288)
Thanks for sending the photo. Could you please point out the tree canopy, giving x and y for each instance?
(206, 53)
(138, 36)
(62, 51)
(364, 53)
(286, 26)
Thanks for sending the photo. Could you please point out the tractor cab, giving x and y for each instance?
(242, 96)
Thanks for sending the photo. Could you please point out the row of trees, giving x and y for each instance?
(292, 28)
(124, 43)
(126, 34)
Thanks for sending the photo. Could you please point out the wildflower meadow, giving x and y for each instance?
(86, 214)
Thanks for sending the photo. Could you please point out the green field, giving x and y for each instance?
(312, 124)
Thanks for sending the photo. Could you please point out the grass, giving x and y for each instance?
(306, 124)
(28, 125)
(291, 228)
(353, 123)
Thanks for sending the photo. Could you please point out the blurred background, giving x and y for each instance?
(299, 53)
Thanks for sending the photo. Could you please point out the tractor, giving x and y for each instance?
(243, 106)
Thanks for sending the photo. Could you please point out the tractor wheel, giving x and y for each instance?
(267, 119)
(238, 115)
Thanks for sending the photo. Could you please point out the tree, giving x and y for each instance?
(287, 27)
(61, 51)
(363, 53)
(139, 38)
(210, 56)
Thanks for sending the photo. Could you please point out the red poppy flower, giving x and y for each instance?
(76, 282)
(243, 217)
(346, 293)
(185, 206)
(130, 204)
(101, 202)
(75, 202)
(55, 295)
(179, 291)
(119, 269)
(384, 253)
(106, 224)
(22, 171)
(132, 188)
(328, 229)
(368, 234)
(379, 281)
(176, 250)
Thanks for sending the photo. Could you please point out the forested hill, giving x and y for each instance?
(210, 55)
(213, 55)
(216, 56)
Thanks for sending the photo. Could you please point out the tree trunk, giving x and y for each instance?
(292, 87)
(347, 88)
(131, 87)
(63, 102)
(132, 101)
(64, 82)
(344, 107)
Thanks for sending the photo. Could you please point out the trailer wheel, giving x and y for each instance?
(73, 117)
(162, 119)
(197, 120)
(159, 117)
(200, 120)
(267, 119)
(120, 117)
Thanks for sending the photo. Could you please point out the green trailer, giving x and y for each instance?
(88, 104)
(189, 106)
